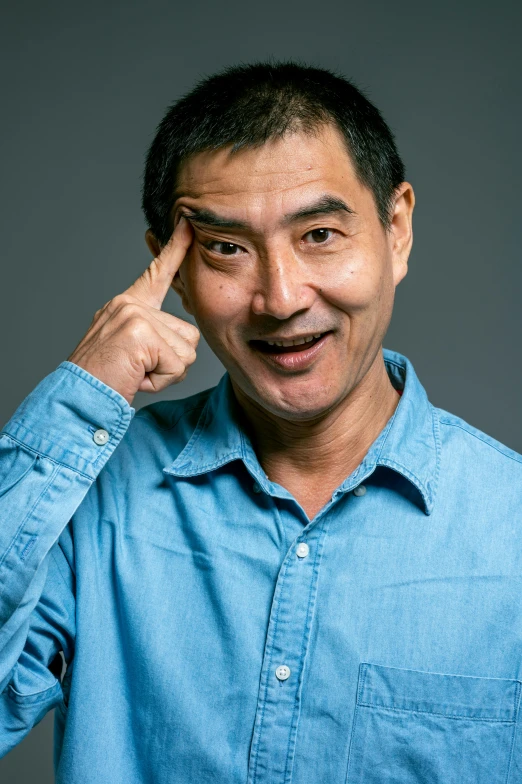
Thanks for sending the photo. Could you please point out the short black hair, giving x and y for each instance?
(245, 106)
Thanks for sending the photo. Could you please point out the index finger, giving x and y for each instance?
(153, 284)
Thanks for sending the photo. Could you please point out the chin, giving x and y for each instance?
(299, 404)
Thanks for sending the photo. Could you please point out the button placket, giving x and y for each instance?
(288, 635)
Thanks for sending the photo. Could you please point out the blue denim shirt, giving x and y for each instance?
(214, 634)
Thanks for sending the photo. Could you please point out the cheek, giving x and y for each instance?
(217, 300)
(358, 284)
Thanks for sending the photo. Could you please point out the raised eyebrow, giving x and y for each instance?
(326, 205)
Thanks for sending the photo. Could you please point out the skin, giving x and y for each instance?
(277, 277)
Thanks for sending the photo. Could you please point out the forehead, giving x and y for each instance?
(279, 174)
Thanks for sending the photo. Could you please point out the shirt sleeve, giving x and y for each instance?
(51, 451)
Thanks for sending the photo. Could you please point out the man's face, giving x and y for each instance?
(288, 245)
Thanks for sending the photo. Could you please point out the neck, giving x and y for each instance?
(332, 445)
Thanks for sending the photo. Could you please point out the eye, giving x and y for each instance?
(223, 248)
(318, 236)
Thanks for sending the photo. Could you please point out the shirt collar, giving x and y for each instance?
(409, 444)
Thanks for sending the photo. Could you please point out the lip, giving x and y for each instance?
(295, 360)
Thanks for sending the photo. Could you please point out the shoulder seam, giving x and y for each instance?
(514, 457)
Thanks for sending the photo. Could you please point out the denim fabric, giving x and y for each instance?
(164, 565)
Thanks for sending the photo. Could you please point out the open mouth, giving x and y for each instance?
(287, 346)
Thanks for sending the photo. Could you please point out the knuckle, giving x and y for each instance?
(177, 365)
(113, 305)
(137, 328)
(154, 265)
(119, 299)
(129, 311)
(185, 351)
(151, 272)
(194, 335)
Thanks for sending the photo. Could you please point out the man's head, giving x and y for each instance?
(302, 226)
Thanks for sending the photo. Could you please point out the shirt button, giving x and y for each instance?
(256, 488)
(302, 550)
(283, 672)
(361, 490)
(101, 437)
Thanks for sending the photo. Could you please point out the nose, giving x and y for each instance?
(283, 288)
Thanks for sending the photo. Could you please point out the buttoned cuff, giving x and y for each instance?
(73, 418)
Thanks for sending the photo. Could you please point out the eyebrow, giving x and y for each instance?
(326, 205)
(208, 218)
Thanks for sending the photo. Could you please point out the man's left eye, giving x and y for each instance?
(319, 235)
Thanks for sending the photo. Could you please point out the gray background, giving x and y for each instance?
(83, 88)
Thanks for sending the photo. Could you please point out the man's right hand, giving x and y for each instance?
(132, 345)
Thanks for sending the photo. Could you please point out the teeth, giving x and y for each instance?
(297, 342)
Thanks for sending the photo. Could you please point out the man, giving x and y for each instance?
(306, 574)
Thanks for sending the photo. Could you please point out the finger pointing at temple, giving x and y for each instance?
(152, 286)
(132, 344)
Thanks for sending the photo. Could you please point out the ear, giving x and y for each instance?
(152, 243)
(401, 231)
(177, 283)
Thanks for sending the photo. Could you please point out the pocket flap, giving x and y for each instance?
(463, 696)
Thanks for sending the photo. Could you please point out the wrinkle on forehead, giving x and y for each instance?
(277, 166)
(280, 188)
(252, 182)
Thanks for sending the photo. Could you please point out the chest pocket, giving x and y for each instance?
(413, 727)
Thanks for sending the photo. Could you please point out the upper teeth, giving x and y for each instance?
(296, 342)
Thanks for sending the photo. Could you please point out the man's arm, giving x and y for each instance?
(51, 452)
